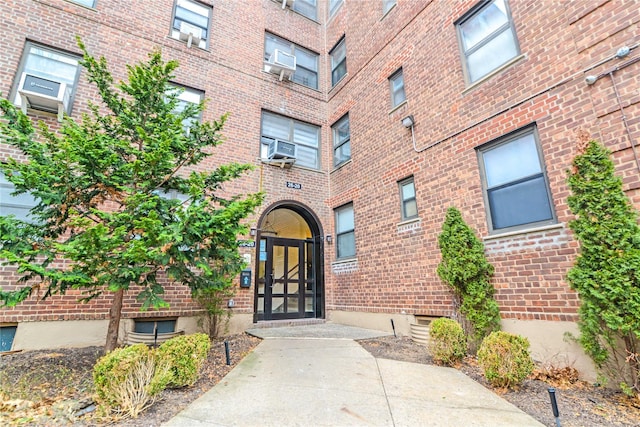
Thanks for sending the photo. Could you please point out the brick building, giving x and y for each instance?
(396, 111)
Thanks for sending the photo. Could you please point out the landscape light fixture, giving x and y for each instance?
(408, 121)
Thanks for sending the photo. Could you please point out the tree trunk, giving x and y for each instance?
(114, 321)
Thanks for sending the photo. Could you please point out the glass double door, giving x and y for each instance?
(285, 281)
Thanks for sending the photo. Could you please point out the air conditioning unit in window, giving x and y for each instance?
(281, 63)
(43, 94)
(190, 33)
(282, 152)
(286, 3)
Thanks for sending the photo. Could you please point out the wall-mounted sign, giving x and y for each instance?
(247, 243)
(294, 185)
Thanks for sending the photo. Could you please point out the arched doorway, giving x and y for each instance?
(289, 283)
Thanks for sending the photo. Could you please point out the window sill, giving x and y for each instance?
(204, 49)
(344, 261)
(341, 165)
(344, 77)
(399, 106)
(412, 224)
(523, 231)
(498, 70)
(384, 15)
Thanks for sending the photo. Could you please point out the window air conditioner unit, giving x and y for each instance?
(281, 63)
(282, 150)
(43, 94)
(286, 3)
(190, 33)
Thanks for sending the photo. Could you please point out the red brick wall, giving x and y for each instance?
(231, 74)
(396, 263)
(396, 269)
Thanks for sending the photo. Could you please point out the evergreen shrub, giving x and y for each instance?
(505, 359)
(128, 380)
(185, 356)
(448, 344)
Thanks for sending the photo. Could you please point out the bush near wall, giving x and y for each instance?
(185, 355)
(129, 379)
(505, 359)
(448, 343)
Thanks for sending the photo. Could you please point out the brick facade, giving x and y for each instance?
(394, 271)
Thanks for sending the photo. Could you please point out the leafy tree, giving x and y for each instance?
(606, 273)
(101, 189)
(465, 269)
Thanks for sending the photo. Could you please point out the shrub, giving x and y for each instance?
(465, 269)
(605, 273)
(128, 380)
(185, 355)
(505, 359)
(215, 319)
(448, 344)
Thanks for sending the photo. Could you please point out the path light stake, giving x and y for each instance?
(394, 329)
(226, 352)
(554, 405)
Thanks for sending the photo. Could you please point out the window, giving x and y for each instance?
(192, 18)
(515, 186)
(408, 203)
(345, 234)
(306, 61)
(341, 141)
(304, 135)
(18, 205)
(488, 38)
(334, 5)
(308, 8)
(7, 334)
(338, 62)
(188, 96)
(88, 3)
(49, 78)
(396, 83)
(387, 5)
(149, 326)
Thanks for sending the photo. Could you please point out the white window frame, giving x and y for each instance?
(338, 57)
(387, 5)
(19, 205)
(475, 16)
(87, 3)
(297, 51)
(188, 95)
(334, 5)
(308, 8)
(341, 140)
(345, 230)
(29, 64)
(516, 171)
(198, 9)
(396, 87)
(265, 138)
(404, 201)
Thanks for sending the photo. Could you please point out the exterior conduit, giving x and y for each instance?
(535, 95)
(624, 117)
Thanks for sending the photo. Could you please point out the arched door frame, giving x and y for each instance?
(317, 236)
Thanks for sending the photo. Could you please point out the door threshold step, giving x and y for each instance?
(287, 322)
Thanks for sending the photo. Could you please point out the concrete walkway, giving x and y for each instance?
(317, 375)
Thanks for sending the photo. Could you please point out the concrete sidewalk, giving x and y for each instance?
(321, 380)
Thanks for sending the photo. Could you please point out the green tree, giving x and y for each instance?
(606, 273)
(465, 269)
(101, 189)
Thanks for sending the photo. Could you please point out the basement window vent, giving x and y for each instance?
(7, 334)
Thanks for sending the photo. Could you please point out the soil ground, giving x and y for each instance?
(54, 388)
